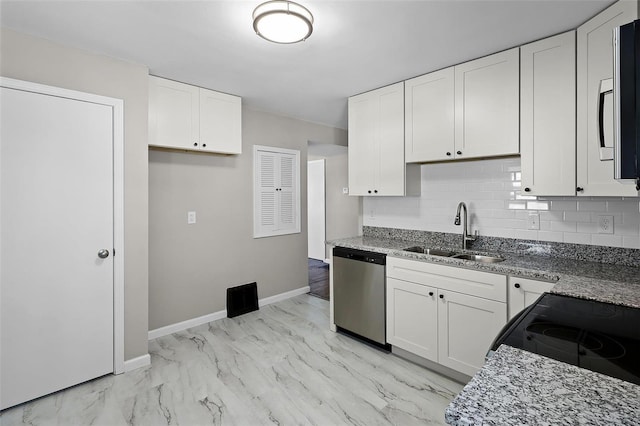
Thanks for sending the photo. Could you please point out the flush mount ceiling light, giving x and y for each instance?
(282, 21)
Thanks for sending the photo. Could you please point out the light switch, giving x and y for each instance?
(191, 218)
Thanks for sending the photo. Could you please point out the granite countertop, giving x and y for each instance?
(517, 387)
(604, 282)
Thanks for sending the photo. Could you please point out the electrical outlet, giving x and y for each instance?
(605, 224)
(191, 218)
(533, 221)
(345, 191)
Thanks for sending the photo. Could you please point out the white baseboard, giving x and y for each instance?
(284, 296)
(141, 361)
(327, 261)
(183, 325)
(194, 322)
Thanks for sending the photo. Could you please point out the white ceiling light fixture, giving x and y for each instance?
(282, 21)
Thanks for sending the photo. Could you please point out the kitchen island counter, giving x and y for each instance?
(517, 387)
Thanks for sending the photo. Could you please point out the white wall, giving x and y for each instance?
(29, 58)
(491, 189)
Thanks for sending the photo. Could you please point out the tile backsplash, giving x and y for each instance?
(497, 207)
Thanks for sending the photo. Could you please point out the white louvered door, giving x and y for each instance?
(277, 191)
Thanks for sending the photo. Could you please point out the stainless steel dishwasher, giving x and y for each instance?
(359, 294)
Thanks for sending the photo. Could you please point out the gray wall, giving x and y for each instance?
(191, 266)
(34, 59)
(343, 212)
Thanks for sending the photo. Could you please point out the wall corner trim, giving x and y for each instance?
(137, 362)
(183, 325)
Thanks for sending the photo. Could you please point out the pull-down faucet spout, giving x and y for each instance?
(465, 235)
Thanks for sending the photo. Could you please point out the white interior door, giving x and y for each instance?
(57, 195)
(316, 209)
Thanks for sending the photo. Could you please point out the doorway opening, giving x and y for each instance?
(316, 229)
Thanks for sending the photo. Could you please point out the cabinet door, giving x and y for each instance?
(412, 318)
(595, 68)
(467, 325)
(220, 122)
(487, 106)
(376, 142)
(548, 116)
(173, 114)
(363, 144)
(429, 117)
(390, 160)
(523, 292)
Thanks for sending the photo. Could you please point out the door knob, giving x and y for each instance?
(103, 253)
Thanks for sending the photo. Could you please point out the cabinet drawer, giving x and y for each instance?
(476, 283)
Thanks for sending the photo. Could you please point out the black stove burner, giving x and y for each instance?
(594, 335)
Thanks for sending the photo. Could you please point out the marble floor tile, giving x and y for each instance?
(279, 365)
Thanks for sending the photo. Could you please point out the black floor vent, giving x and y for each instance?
(242, 299)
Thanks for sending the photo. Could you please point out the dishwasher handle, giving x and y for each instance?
(360, 255)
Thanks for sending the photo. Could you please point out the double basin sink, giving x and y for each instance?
(455, 255)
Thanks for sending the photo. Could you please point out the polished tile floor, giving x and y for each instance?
(279, 365)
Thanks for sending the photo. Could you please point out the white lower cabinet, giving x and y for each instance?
(445, 314)
(467, 326)
(523, 292)
(412, 315)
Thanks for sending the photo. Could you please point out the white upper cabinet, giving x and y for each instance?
(548, 116)
(429, 117)
(487, 102)
(376, 144)
(189, 117)
(467, 111)
(594, 81)
(220, 122)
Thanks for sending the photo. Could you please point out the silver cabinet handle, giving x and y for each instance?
(103, 253)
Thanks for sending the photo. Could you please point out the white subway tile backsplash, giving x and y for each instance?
(577, 216)
(567, 206)
(630, 242)
(606, 240)
(570, 237)
(497, 207)
(551, 236)
(587, 228)
(564, 226)
(592, 206)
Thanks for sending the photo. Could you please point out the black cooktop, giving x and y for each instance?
(594, 335)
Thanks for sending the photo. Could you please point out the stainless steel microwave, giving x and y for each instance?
(626, 92)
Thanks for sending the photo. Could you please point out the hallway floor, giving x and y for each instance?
(319, 279)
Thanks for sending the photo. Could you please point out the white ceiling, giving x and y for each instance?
(355, 46)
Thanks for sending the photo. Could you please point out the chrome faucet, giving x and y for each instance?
(465, 235)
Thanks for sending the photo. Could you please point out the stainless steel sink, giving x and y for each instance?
(430, 251)
(455, 255)
(478, 258)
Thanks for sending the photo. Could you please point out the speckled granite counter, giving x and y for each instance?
(589, 280)
(516, 387)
